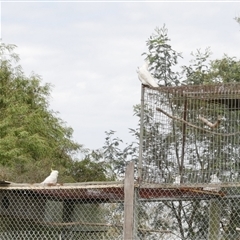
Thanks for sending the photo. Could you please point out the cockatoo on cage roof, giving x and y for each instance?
(214, 180)
(52, 178)
(145, 76)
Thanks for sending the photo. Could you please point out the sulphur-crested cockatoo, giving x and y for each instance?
(145, 76)
(52, 178)
(177, 180)
(214, 180)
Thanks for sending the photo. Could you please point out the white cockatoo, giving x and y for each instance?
(52, 178)
(145, 76)
(214, 180)
(177, 180)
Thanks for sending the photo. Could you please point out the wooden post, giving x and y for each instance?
(128, 227)
(214, 219)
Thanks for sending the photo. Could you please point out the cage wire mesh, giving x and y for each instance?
(189, 163)
(61, 212)
(187, 187)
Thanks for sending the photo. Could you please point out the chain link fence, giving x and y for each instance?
(95, 212)
(75, 211)
(186, 187)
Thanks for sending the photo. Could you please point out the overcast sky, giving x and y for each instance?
(89, 52)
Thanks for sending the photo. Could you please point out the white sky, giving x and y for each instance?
(90, 51)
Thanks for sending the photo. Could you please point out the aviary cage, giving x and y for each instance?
(190, 133)
(190, 162)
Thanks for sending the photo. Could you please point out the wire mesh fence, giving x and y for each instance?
(186, 188)
(191, 133)
(190, 163)
(97, 212)
(61, 212)
(192, 213)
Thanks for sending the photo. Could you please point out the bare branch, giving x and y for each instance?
(211, 125)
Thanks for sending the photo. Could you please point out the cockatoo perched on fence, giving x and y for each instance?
(52, 178)
(145, 76)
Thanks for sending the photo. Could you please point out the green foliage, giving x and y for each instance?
(162, 57)
(113, 156)
(196, 72)
(225, 70)
(33, 139)
(203, 71)
(87, 170)
(188, 219)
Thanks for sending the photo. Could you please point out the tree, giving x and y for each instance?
(33, 139)
(114, 155)
(204, 150)
(191, 216)
(162, 57)
(87, 171)
(225, 70)
(205, 71)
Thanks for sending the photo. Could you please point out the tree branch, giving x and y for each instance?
(194, 126)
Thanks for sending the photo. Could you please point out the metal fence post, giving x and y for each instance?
(141, 135)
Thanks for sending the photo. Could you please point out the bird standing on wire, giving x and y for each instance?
(52, 178)
(145, 76)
